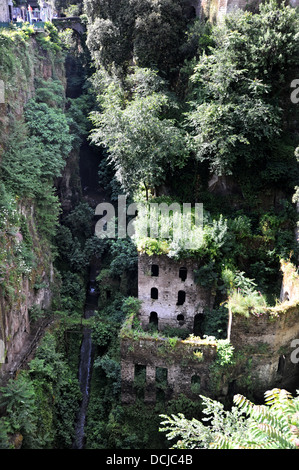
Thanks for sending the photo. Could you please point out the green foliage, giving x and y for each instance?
(101, 332)
(50, 134)
(18, 401)
(142, 143)
(135, 30)
(53, 378)
(41, 403)
(245, 426)
(72, 295)
(181, 333)
(236, 117)
(131, 306)
(251, 303)
(193, 434)
(79, 220)
(110, 31)
(50, 92)
(75, 241)
(124, 257)
(270, 426)
(160, 22)
(215, 322)
(49, 40)
(225, 353)
(112, 372)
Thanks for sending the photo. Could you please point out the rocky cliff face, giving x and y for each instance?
(24, 292)
(27, 276)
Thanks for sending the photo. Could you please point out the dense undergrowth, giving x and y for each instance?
(209, 104)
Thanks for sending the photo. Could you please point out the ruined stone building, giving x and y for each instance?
(170, 297)
(169, 294)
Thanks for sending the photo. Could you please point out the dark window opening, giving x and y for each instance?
(155, 270)
(281, 365)
(286, 296)
(181, 297)
(181, 319)
(198, 324)
(140, 380)
(189, 12)
(108, 294)
(197, 350)
(154, 293)
(153, 319)
(161, 383)
(140, 372)
(232, 388)
(183, 274)
(195, 384)
(161, 376)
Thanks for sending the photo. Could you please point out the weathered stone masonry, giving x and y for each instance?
(169, 293)
(186, 363)
(264, 341)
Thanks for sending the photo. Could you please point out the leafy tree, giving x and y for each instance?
(50, 136)
(160, 22)
(274, 425)
(124, 30)
(110, 30)
(18, 399)
(143, 144)
(56, 383)
(192, 433)
(240, 96)
(124, 255)
(271, 426)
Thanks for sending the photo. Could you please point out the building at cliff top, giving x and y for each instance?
(25, 10)
(6, 11)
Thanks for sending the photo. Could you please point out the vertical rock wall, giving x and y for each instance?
(21, 291)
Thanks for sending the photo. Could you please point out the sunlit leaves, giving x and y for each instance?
(143, 144)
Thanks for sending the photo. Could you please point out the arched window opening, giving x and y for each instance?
(281, 364)
(155, 270)
(154, 293)
(181, 297)
(183, 274)
(153, 319)
(286, 296)
(195, 384)
(181, 319)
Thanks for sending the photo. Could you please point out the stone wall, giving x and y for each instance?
(4, 11)
(30, 291)
(159, 276)
(34, 288)
(268, 342)
(186, 365)
(215, 10)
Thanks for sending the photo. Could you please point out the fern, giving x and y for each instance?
(271, 426)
